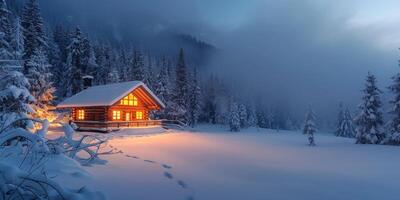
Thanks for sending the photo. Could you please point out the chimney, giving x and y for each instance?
(87, 81)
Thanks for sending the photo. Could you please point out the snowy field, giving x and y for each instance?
(211, 163)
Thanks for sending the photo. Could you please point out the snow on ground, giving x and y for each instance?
(211, 163)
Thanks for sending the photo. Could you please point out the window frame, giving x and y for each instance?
(129, 100)
(141, 115)
(80, 114)
(116, 115)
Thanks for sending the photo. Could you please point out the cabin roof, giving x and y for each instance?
(106, 95)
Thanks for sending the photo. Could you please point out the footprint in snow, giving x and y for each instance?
(149, 161)
(166, 166)
(168, 175)
(182, 184)
(135, 157)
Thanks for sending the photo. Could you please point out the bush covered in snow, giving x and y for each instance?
(27, 178)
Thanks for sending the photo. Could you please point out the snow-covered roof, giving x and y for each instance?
(106, 95)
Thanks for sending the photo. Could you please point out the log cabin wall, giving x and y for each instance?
(90, 114)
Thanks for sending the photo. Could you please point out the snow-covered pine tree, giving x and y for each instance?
(149, 73)
(92, 66)
(243, 116)
(77, 61)
(194, 100)
(15, 99)
(393, 135)
(251, 116)
(209, 102)
(62, 39)
(17, 40)
(339, 122)
(180, 96)
(32, 23)
(41, 88)
(234, 117)
(5, 32)
(310, 127)
(103, 61)
(136, 72)
(370, 120)
(163, 89)
(347, 126)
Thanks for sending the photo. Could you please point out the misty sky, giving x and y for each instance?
(296, 52)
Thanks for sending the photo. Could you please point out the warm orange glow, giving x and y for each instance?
(129, 100)
(139, 115)
(127, 116)
(116, 115)
(81, 114)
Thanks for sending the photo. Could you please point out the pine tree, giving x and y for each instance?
(136, 72)
(251, 116)
(194, 102)
(309, 126)
(370, 120)
(77, 61)
(33, 31)
(163, 89)
(393, 135)
(243, 116)
(181, 88)
(14, 99)
(209, 102)
(339, 122)
(234, 117)
(41, 87)
(346, 128)
(17, 40)
(5, 32)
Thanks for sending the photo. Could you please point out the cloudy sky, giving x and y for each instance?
(296, 52)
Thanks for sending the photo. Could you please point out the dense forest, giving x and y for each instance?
(55, 57)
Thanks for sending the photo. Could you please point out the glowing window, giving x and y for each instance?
(129, 100)
(139, 115)
(81, 114)
(116, 115)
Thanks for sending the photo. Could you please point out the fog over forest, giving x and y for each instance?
(284, 53)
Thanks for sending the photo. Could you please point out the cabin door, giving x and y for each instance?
(128, 116)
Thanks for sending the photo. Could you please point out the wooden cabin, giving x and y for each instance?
(113, 106)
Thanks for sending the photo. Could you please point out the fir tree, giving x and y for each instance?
(251, 116)
(209, 102)
(40, 84)
(32, 23)
(369, 120)
(137, 67)
(346, 128)
(181, 88)
(194, 103)
(393, 135)
(309, 126)
(338, 131)
(163, 89)
(77, 61)
(5, 32)
(234, 117)
(14, 99)
(17, 40)
(243, 116)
